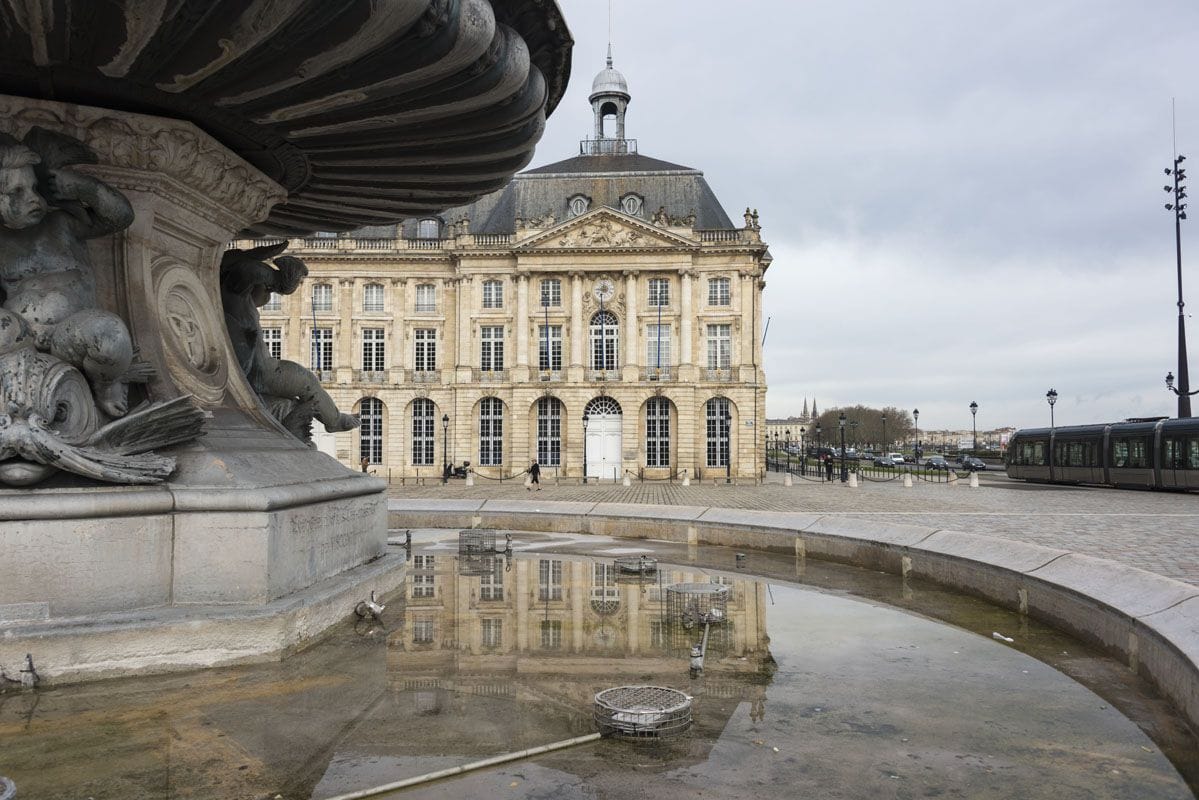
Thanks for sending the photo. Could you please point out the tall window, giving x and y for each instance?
(605, 336)
(549, 579)
(322, 348)
(370, 433)
(493, 294)
(428, 229)
(719, 346)
(426, 349)
(551, 293)
(373, 356)
(657, 346)
(322, 297)
(274, 303)
(424, 422)
(492, 348)
(657, 432)
(659, 292)
(549, 432)
(426, 301)
(549, 348)
(491, 583)
(718, 432)
(551, 634)
(273, 339)
(491, 432)
(424, 577)
(718, 291)
(493, 632)
(372, 297)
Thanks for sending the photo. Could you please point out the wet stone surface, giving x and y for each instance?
(824, 681)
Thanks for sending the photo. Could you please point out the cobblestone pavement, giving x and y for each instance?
(1155, 531)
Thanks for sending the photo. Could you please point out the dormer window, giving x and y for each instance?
(632, 204)
(578, 205)
(428, 229)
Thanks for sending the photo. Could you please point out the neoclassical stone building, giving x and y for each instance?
(601, 314)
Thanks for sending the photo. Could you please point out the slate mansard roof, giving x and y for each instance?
(604, 180)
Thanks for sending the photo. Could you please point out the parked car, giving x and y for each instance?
(936, 462)
(896, 458)
(971, 464)
(885, 461)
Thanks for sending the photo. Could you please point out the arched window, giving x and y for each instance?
(657, 432)
(491, 432)
(428, 229)
(719, 421)
(370, 437)
(632, 204)
(549, 432)
(372, 297)
(577, 205)
(605, 340)
(424, 427)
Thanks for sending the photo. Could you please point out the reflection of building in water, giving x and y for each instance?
(567, 625)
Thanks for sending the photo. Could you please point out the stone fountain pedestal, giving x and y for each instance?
(256, 542)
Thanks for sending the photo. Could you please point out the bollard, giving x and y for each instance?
(626, 480)
(470, 478)
(951, 479)
(907, 480)
(973, 480)
(787, 479)
(853, 480)
(686, 478)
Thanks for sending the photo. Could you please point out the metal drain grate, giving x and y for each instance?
(642, 712)
(697, 604)
(479, 540)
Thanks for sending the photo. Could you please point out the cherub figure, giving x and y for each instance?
(292, 393)
(47, 283)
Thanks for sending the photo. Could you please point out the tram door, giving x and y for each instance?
(603, 439)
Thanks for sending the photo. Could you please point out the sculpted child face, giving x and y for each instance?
(20, 204)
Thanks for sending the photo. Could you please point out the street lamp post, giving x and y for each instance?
(787, 447)
(886, 444)
(974, 423)
(844, 469)
(586, 419)
(445, 449)
(728, 442)
(819, 443)
(916, 444)
(1051, 398)
(1179, 208)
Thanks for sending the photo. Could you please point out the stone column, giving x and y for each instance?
(575, 585)
(632, 604)
(396, 359)
(577, 328)
(521, 323)
(520, 590)
(748, 332)
(346, 363)
(688, 369)
(632, 340)
(459, 316)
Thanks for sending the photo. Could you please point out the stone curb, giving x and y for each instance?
(1149, 621)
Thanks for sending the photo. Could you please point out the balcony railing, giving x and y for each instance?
(324, 375)
(426, 308)
(426, 376)
(608, 147)
(603, 375)
(370, 376)
(549, 375)
(424, 244)
(321, 243)
(722, 235)
(492, 239)
(493, 375)
(657, 374)
(723, 375)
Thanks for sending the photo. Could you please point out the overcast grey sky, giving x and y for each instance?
(963, 199)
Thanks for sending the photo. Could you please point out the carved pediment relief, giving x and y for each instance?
(604, 229)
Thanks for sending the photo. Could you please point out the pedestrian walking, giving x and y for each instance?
(534, 476)
(366, 462)
(828, 467)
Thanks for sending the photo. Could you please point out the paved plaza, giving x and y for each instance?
(1155, 531)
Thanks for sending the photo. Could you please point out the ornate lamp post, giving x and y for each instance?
(819, 442)
(1051, 398)
(841, 425)
(586, 419)
(916, 444)
(886, 444)
(974, 423)
(1179, 208)
(445, 450)
(728, 439)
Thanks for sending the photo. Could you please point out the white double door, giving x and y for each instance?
(603, 446)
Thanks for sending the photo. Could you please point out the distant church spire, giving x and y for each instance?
(805, 409)
(815, 413)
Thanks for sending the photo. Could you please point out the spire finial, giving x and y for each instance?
(609, 55)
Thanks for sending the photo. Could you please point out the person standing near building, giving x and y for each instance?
(534, 476)
(828, 467)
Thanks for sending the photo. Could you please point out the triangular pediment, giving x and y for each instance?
(604, 229)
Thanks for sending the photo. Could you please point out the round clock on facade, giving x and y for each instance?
(604, 290)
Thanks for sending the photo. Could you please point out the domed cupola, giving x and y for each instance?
(609, 97)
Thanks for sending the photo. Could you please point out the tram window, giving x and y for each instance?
(1119, 453)
(1174, 454)
(1193, 453)
(1138, 454)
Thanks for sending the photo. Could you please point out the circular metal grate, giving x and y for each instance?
(642, 712)
(478, 540)
(697, 604)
